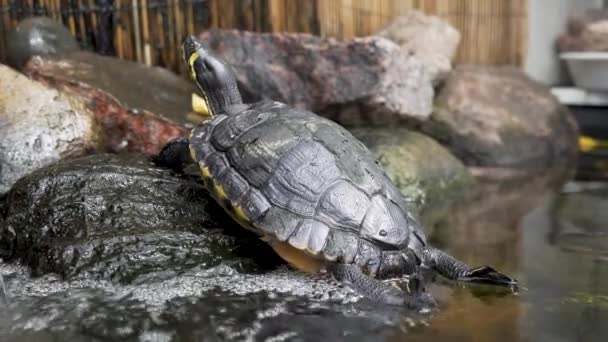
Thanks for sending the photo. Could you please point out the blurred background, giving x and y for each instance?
(493, 32)
(530, 34)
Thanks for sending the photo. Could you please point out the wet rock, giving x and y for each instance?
(139, 107)
(38, 36)
(363, 80)
(429, 184)
(47, 308)
(586, 32)
(263, 317)
(39, 125)
(499, 117)
(119, 218)
(433, 40)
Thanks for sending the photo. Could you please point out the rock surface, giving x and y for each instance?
(364, 80)
(433, 40)
(186, 309)
(140, 108)
(138, 252)
(113, 217)
(38, 126)
(586, 32)
(429, 177)
(38, 36)
(498, 117)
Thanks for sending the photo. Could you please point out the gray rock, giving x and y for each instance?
(587, 31)
(139, 108)
(118, 218)
(38, 36)
(499, 117)
(429, 177)
(433, 40)
(135, 86)
(363, 80)
(38, 126)
(82, 312)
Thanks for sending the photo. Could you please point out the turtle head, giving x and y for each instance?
(214, 78)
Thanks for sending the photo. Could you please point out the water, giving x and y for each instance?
(558, 251)
(564, 294)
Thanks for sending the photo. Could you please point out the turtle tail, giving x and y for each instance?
(454, 269)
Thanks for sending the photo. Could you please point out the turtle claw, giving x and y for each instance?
(488, 275)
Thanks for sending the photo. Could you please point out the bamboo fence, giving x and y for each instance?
(149, 31)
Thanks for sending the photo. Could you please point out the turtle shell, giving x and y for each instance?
(302, 179)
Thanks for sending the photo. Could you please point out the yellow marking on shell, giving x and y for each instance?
(193, 155)
(205, 171)
(199, 105)
(219, 191)
(299, 259)
(191, 60)
(239, 213)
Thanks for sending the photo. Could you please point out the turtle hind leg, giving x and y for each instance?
(174, 154)
(454, 269)
(377, 290)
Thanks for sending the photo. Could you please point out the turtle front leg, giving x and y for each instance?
(454, 269)
(377, 290)
(174, 154)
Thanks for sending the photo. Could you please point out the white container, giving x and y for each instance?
(589, 70)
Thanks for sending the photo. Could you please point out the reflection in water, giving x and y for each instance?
(563, 295)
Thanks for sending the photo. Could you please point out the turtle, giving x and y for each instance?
(308, 188)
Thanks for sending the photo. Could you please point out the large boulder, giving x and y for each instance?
(38, 36)
(499, 117)
(139, 107)
(433, 40)
(115, 217)
(39, 125)
(363, 80)
(429, 185)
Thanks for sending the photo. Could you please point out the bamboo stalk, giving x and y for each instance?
(136, 30)
(118, 33)
(179, 22)
(146, 32)
(179, 31)
(82, 27)
(93, 16)
(162, 46)
(214, 11)
(57, 9)
(6, 21)
(71, 21)
(171, 35)
(276, 11)
(190, 18)
(2, 43)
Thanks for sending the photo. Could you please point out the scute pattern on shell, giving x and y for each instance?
(305, 180)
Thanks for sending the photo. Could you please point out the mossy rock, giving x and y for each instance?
(429, 177)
